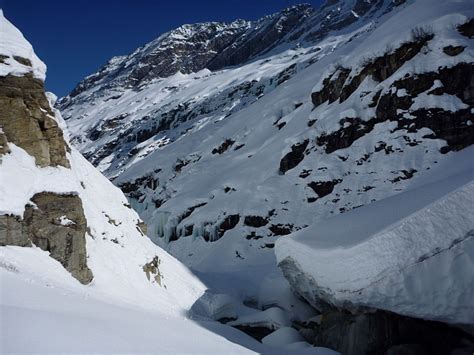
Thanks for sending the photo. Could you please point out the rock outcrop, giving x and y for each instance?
(27, 120)
(56, 224)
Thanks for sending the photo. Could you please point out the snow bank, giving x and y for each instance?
(412, 253)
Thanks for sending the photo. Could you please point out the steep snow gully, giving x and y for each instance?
(312, 172)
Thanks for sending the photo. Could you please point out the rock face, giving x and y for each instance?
(55, 224)
(28, 121)
(12, 231)
(191, 48)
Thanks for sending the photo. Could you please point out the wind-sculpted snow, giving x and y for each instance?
(411, 254)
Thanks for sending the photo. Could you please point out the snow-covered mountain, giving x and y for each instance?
(228, 137)
(77, 273)
(354, 103)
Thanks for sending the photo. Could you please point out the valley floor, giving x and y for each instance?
(40, 316)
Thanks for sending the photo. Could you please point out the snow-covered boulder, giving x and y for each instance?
(411, 254)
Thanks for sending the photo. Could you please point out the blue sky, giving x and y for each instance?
(75, 37)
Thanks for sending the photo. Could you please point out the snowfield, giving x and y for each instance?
(412, 253)
(44, 310)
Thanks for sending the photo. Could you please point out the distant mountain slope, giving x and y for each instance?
(138, 103)
(354, 110)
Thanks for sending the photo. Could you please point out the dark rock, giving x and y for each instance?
(190, 210)
(255, 332)
(263, 40)
(407, 174)
(286, 74)
(228, 189)
(305, 173)
(351, 130)
(383, 67)
(385, 333)
(281, 229)
(229, 223)
(407, 349)
(132, 188)
(453, 127)
(253, 235)
(379, 68)
(256, 221)
(323, 188)
(21, 60)
(467, 29)
(332, 87)
(453, 51)
(223, 147)
(293, 158)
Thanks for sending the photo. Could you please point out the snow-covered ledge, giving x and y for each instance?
(412, 254)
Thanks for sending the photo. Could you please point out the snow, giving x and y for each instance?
(64, 221)
(272, 318)
(445, 102)
(283, 336)
(50, 319)
(12, 43)
(410, 254)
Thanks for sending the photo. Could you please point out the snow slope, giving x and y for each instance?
(411, 254)
(43, 308)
